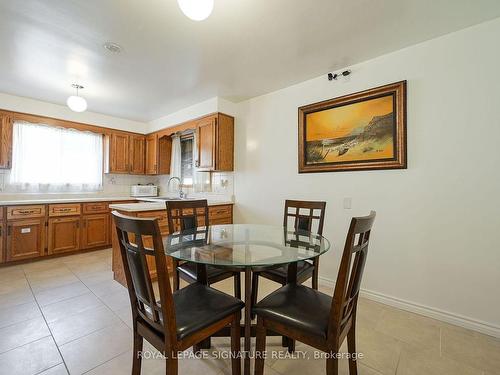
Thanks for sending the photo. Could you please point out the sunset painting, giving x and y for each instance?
(353, 132)
(366, 130)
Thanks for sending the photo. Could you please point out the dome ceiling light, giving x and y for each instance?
(75, 102)
(197, 10)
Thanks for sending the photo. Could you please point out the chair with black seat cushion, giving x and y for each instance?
(184, 215)
(175, 321)
(315, 318)
(307, 216)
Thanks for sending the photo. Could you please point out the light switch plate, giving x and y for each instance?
(347, 203)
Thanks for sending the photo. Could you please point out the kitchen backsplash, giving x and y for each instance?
(217, 184)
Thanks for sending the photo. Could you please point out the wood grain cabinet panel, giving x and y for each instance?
(25, 239)
(5, 141)
(152, 154)
(23, 212)
(2, 240)
(119, 153)
(64, 234)
(206, 143)
(137, 154)
(66, 209)
(95, 231)
(215, 136)
(95, 208)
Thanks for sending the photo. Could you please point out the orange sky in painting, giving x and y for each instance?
(341, 121)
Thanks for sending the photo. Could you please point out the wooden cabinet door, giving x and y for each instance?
(5, 142)
(152, 154)
(137, 154)
(64, 234)
(119, 153)
(95, 230)
(2, 237)
(206, 130)
(25, 239)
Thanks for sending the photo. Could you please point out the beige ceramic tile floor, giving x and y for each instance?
(67, 315)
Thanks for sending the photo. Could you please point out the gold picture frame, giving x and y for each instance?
(361, 131)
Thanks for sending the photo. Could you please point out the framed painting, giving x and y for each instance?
(361, 131)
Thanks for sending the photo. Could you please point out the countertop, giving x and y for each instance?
(63, 200)
(156, 206)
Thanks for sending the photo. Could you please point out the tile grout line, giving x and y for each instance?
(110, 309)
(47, 324)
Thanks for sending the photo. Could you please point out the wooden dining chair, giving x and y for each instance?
(308, 216)
(315, 318)
(184, 215)
(175, 321)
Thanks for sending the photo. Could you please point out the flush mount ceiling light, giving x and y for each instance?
(112, 47)
(75, 102)
(197, 10)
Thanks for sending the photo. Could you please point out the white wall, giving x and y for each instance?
(435, 241)
(186, 114)
(37, 107)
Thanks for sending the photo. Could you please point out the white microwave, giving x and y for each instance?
(144, 191)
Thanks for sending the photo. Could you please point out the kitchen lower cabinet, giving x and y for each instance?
(64, 234)
(95, 231)
(25, 239)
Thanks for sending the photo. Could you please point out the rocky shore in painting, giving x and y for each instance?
(366, 142)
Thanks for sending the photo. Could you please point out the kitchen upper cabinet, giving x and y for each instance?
(2, 237)
(95, 231)
(152, 154)
(137, 154)
(25, 239)
(5, 141)
(125, 153)
(64, 234)
(158, 154)
(215, 137)
(118, 153)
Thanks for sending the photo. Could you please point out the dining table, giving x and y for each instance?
(246, 248)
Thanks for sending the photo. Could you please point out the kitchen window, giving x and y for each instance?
(47, 158)
(187, 161)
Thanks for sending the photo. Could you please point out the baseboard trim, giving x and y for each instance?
(444, 316)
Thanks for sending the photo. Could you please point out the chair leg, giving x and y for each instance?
(236, 344)
(332, 366)
(315, 277)
(291, 345)
(255, 291)
(237, 285)
(137, 360)
(176, 281)
(260, 347)
(172, 366)
(351, 348)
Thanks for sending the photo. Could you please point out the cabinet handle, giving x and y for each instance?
(197, 164)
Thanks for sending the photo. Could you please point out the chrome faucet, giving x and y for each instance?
(181, 193)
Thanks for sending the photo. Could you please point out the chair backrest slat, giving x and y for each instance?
(184, 215)
(350, 273)
(134, 234)
(314, 212)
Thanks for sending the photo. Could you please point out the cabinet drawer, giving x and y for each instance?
(220, 212)
(69, 209)
(161, 216)
(95, 207)
(220, 221)
(22, 212)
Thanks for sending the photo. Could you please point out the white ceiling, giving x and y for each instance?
(246, 47)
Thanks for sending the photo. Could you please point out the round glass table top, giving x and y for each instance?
(244, 245)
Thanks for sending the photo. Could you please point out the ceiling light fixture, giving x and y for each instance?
(75, 102)
(112, 47)
(197, 10)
